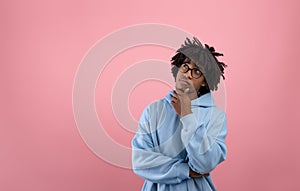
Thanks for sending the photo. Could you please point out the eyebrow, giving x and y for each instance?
(188, 62)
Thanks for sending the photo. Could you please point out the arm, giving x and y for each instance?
(205, 143)
(149, 163)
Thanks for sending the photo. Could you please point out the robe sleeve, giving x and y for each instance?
(149, 163)
(204, 141)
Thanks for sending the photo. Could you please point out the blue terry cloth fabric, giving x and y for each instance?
(166, 145)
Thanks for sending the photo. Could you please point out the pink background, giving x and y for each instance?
(43, 42)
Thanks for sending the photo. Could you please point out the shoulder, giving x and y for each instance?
(215, 113)
(219, 112)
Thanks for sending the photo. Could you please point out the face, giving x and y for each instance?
(185, 79)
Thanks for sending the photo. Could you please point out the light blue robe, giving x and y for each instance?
(166, 145)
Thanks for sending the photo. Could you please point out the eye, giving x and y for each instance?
(197, 71)
(185, 66)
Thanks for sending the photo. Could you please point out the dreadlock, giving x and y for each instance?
(205, 58)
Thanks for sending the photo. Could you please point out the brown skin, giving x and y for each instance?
(186, 90)
(194, 174)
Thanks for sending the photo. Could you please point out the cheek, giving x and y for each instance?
(180, 74)
(197, 84)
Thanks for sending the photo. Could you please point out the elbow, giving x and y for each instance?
(138, 172)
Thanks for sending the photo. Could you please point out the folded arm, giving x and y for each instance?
(204, 143)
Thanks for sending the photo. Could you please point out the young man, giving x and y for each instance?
(181, 138)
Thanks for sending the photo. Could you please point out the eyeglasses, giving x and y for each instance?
(196, 73)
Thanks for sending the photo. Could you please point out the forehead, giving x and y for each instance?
(190, 62)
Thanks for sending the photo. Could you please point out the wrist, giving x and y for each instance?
(185, 112)
(186, 108)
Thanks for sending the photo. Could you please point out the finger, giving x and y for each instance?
(201, 175)
(179, 92)
(174, 100)
(174, 96)
(186, 91)
(189, 90)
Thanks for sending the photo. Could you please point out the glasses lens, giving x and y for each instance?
(184, 68)
(196, 73)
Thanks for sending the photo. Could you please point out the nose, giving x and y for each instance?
(188, 74)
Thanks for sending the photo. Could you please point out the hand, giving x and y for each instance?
(176, 103)
(184, 83)
(181, 103)
(185, 93)
(194, 174)
(185, 103)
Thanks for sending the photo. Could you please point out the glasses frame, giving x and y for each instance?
(184, 65)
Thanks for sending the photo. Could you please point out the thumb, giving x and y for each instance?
(186, 90)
